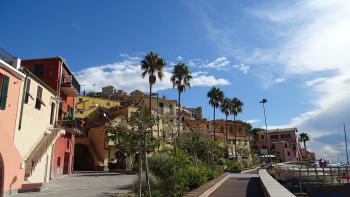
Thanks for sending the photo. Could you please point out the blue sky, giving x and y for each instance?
(294, 53)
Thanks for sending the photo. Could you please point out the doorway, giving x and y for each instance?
(66, 163)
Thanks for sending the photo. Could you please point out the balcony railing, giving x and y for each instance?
(69, 81)
(73, 126)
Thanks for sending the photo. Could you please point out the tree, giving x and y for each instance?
(236, 107)
(215, 96)
(152, 65)
(225, 108)
(304, 137)
(181, 77)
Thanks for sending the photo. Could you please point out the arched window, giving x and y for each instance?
(239, 131)
(222, 129)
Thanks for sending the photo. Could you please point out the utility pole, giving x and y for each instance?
(346, 146)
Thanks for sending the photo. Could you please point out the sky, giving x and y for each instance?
(293, 53)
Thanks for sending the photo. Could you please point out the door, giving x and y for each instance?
(66, 163)
(1, 176)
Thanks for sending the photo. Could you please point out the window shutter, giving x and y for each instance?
(26, 99)
(5, 83)
(38, 98)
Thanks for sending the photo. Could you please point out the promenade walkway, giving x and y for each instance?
(240, 185)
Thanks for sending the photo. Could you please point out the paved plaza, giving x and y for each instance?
(86, 184)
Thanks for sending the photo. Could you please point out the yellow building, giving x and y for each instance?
(86, 106)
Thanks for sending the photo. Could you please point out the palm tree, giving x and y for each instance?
(236, 107)
(152, 65)
(304, 137)
(225, 108)
(181, 79)
(215, 96)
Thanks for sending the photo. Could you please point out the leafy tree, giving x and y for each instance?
(304, 137)
(236, 107)
(255, 131)
(98, 95)
(134, 136)
(215, 96)
(181, 77)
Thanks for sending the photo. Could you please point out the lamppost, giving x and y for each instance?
(346, 146)
(263, 101)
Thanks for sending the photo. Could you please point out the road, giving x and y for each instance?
(86, 184)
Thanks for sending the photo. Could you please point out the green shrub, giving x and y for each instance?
(233, 165)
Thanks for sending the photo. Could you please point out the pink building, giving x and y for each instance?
(11, 164)
(283, 143)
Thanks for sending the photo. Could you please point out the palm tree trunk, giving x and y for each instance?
(140, 169)
(234, 129)
(146, 165)
(304, 145)
(178, 114)
(225, 134)
(214, 123)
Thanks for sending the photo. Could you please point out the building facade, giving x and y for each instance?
(35, 127)
(85, 105)
(282, 142)
(56, 74)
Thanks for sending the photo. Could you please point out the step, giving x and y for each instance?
(30, 187)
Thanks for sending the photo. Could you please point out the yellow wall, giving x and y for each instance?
(85, 105)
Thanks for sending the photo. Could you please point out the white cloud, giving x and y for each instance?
(242, 67)
(316, 41)
(253, 121)
(280, 80)
(126, 75)
(218, 63)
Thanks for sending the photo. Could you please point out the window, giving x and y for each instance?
(222, 129)
(183, 119)
(231, 130)
(108, 104)
(262, 136)
(273, 146)
(38, 100)
(4, 83)
(239, 131)
(80, 100)
(288, 153)
(68, 144)
(27, 94)
(38, 70)
(273, 136)
(207, 126)
(58, 161)
(285, 145)
(52, 116)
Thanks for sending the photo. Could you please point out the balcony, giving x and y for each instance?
(71, 126)
(70, 86)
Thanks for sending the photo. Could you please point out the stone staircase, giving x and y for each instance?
(39, 150)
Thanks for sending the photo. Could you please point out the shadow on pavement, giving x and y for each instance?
(254, 188)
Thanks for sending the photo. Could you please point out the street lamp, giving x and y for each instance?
(263, 101)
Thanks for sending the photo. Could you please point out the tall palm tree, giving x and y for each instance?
(225, 108)
(181, 77)
(304, 137)
(215, 96)
(152, 65)
(236, 107)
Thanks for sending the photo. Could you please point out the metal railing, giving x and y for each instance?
(71, 79)
(330, 175)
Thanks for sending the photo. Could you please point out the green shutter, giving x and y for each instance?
(5, 83)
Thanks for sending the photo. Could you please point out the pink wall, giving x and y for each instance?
(64, 144)
(12, 160)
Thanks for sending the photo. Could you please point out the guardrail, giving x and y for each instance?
(271, 187)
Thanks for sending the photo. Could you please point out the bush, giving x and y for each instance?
(178, 174)
(232, 165)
